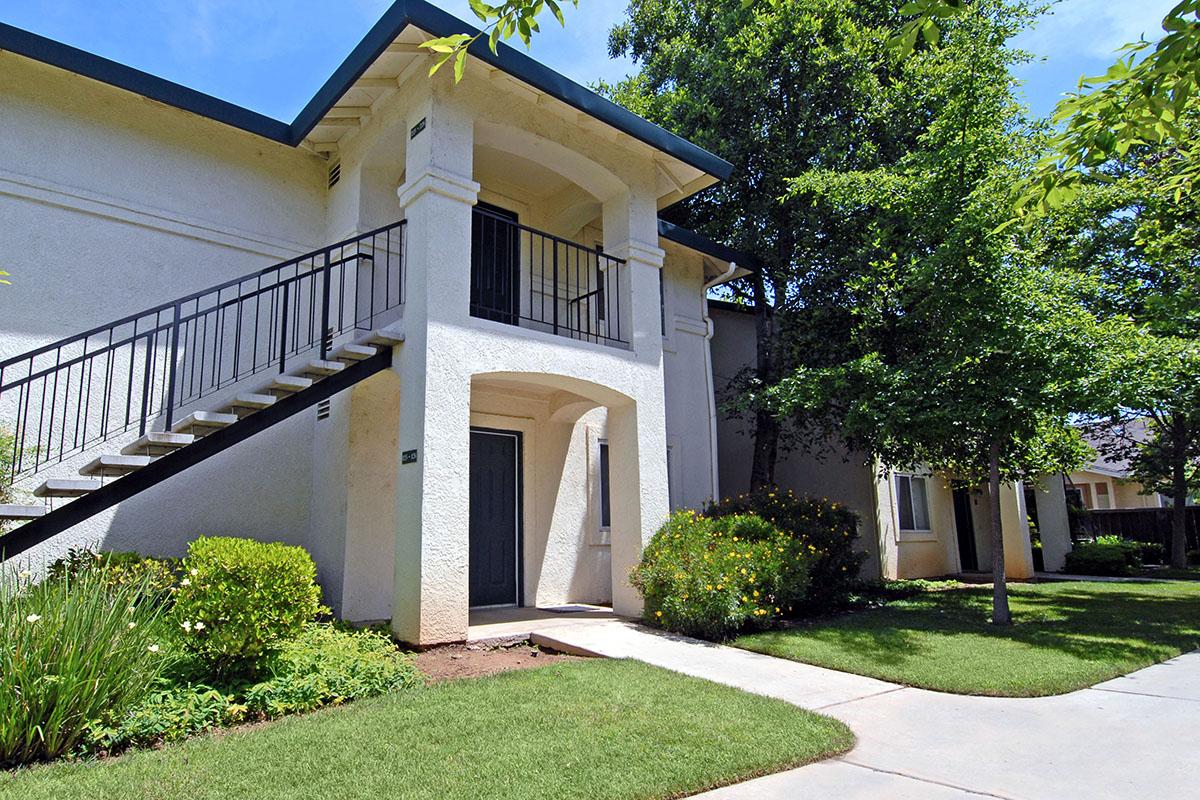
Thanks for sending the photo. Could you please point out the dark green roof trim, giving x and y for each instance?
(401, 14)
(702, 244)
(72, 59)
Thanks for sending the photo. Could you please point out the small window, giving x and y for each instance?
(1102, 498)
(912, 501)
(605, 503)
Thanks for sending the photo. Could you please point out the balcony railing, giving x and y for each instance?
(532, 279)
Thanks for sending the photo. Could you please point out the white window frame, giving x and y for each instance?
(913, 533)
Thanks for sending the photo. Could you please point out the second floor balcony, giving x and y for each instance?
(525, 277)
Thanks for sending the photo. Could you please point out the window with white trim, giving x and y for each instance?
(912, 502)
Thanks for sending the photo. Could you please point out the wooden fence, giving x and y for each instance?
(1140, 525)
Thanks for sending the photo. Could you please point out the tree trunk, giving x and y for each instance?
(766, 426)
(1179, 495)
(1000, 612)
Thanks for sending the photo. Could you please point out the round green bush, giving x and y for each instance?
(239, 600)
(830, 529)
(714, 576)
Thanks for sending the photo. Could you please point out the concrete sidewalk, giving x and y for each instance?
(1130, 737)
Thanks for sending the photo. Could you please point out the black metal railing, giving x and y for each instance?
(131, 374)
(526, 277)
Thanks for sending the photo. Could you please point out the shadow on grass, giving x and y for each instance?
(1117, 625)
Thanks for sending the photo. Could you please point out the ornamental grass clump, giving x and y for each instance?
(72, 650)
(239, 600)
(713, 577)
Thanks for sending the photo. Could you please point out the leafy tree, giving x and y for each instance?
(968, 355)
(501, 22)
(1140, 238)
(777, 88)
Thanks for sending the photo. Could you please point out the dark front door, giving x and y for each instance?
(495, 518)
(965, 524)
(495, 264)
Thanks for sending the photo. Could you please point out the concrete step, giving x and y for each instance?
(283, 385)
(321, 369)
(249, 403)
(386, 338)
(202, 423)
(20, 513)
(114, 466)
(354, 352)
(67, 487)
(158, 443)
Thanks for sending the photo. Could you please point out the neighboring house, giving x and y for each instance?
(912, 524)
(1106, 483)
(488, 393)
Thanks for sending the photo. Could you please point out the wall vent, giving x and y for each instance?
(335, 174)
(323, 410)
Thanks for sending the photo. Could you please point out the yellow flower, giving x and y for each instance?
(756, 593)
(658, 613)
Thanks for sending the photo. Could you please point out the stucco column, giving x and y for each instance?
(432, 513)
(637, 431)
(1014, 522)
(1053, 522)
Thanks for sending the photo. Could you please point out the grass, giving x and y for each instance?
(593, 729)
(1066, 636)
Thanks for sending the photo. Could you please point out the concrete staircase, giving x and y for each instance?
(103, 470)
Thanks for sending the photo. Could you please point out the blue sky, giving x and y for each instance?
(272, 55)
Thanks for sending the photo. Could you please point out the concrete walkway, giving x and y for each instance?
(1137, 736)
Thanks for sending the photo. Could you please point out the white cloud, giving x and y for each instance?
(1094, 28)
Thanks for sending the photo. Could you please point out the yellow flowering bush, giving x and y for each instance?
(712, 577)
(827, 531)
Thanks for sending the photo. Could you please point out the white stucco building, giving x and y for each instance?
(508, 355)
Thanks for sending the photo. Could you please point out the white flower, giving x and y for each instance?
(195, 572)
(199, 626)
(132, 625)
(132, 609)
(32, 618)
(185, 582)
(153, 648)
(24, 574)
(186, 625)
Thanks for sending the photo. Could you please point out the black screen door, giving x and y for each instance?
(495, 264)
(965, 525)
(495, 518)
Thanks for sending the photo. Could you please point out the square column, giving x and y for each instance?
(637, 431)
(1053, 523)
(432, 459)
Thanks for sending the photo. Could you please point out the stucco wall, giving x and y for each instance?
(113, 203)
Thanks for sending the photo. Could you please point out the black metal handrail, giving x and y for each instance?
(70, 395)
(526, 277)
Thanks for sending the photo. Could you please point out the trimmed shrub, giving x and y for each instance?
(119, 569)
(829, 528)
(325, 665)
(713, 576)
(239, 600)
(71, 651)
(1107, 556)
(1152, 552)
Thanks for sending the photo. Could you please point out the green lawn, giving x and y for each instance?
(594, 729)
(1066, 636)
